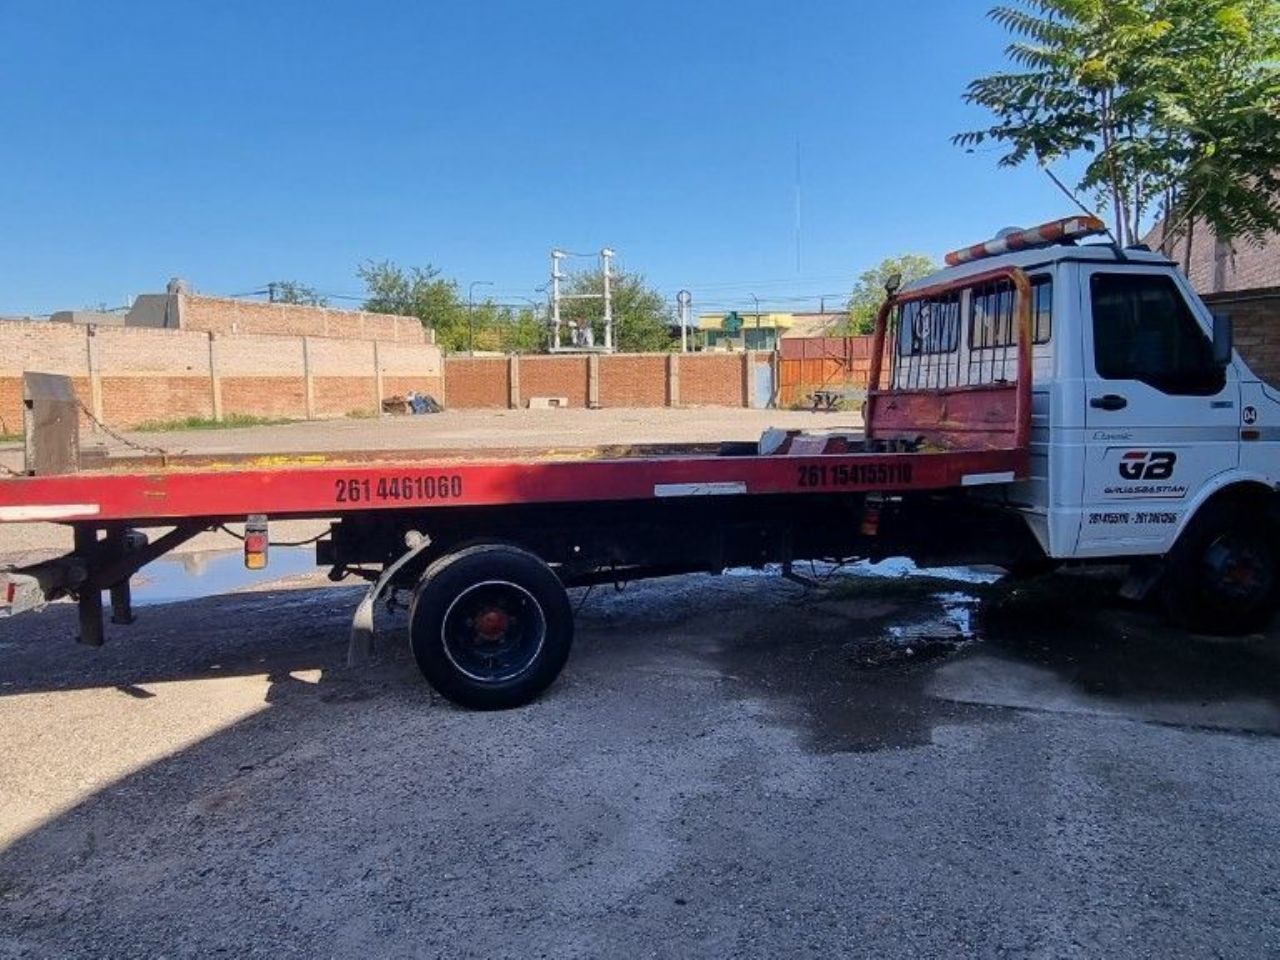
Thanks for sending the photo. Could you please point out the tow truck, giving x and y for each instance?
(1042, 400)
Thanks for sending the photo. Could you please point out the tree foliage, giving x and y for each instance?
(642, 318)
(524, 331)
(868, 294)
(1173, 104)
(416, 292)
(423, 293)
(496, 328)
(291, 291)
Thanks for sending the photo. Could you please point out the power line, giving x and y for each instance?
(729, 284)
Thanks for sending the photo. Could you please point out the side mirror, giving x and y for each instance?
(892, 283)
(1223, 337)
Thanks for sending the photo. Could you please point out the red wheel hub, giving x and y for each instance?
(492, 624)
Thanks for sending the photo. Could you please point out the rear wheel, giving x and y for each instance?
(1224, 574)
(490, 626)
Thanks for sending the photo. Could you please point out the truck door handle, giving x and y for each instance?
(1108, 401)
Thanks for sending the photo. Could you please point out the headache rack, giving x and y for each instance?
(959, 365)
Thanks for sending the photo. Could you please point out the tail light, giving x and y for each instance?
(871, 516)
(256, 542)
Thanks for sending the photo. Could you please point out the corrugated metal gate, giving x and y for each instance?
(806, 364)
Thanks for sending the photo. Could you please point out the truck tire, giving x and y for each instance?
(490, 626)
(1224, 575)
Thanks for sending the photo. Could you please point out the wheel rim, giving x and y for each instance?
(1237, 569)
(493, 631)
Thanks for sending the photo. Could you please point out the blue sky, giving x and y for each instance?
(235, 143)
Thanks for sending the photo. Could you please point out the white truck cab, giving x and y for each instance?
(1150, 437)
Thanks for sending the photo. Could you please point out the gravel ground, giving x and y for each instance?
(730, 766)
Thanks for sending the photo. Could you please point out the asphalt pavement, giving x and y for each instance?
(730, 766)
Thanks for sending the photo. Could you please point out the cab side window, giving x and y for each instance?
(991, 313)
(1144, 330)
(929, 326)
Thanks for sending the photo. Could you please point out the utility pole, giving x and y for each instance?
(471, 307)
(556, 277)
(606, 263)
(684, 301)
(744, 336)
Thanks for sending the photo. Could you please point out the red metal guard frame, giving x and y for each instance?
(910, 411)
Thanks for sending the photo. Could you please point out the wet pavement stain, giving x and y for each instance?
(847, 665)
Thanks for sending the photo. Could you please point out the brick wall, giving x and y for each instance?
(130, 375)
(129, 400)
(10, 405)
(1226, 268)
(340, 376)
(276, 396)
(476, 382)
(554, 377)
(148, 375)
(43, 348)
(634, 380)
(620, 380)
(1255, 316)
(218, 315)
(712, 380)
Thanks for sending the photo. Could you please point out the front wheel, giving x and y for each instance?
(1224, 575)
(491, 626)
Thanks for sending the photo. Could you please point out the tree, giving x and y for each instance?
(291, 291)
(1174, 105)
(868, 295)
(642, 318)
(501, 329)
(526, 332)
(417, 292)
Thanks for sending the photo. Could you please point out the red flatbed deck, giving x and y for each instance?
(335, 487)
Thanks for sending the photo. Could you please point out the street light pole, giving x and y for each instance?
(471, 307)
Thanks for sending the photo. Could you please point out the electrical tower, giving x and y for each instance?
(581, 336)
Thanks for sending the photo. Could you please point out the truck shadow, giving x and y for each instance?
(271, 632)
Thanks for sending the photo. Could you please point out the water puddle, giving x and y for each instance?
(847, 659)
(191, 576)
(901, 568)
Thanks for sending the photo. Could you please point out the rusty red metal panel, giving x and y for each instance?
(976, 417)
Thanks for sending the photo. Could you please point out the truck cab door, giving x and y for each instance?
(1161, 417)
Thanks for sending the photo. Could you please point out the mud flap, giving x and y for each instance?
(360, 645)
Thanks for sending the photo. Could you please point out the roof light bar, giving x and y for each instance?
(1055, 231)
